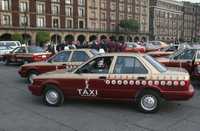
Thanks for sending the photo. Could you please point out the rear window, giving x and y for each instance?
(35, 50)
(155, 63)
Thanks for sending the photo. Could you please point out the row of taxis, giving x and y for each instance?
(87, 74)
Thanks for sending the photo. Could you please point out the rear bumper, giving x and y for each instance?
(179, 95)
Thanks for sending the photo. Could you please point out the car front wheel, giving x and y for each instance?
(53, 96)
(148, 101)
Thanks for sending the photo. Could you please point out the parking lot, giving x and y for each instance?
(20, 111)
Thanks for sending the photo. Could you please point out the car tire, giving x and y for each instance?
(31, 75)
(6, 62)
(148, 101)
(52, 96)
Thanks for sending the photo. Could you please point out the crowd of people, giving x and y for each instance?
(105, 44)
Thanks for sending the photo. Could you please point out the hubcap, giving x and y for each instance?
(31, 77)
(149, 102)
(52, 97)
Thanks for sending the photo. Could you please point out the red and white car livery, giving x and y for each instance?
(134, 48)
(26, 54)
(131, 77)
(68, 59)
(188, 59)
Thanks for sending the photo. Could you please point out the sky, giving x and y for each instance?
(195, 1)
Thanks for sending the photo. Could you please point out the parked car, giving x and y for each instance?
(4, 50)
(26, 54)
(121, 76)
(155, 45)
(12, 44)
(186, 58)
(166, 51)
(67, 59)
(134, 47)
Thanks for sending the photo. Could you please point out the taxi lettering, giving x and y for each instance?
(87, 91)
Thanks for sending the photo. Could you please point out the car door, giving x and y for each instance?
(184, 59)
(92, 77)
(58, 61)
(78, 57)
(128, 76)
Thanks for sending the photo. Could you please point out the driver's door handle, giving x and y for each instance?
(102, 77)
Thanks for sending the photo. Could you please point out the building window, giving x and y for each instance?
(69, 23)
(40, 8)
(113, 6)
(23, 6)
(112, 16)
(55, 1)
(55, 9)
(103, 4)
(55, 23)
(103, 26)
(40, 21)
(24, 20)
(103, 15)
(6, 20)
(81, 2)
(81, 12)
(68, 11)
(81, 24)
(68, 1)
(5, 4)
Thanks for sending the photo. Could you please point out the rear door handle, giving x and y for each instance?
(141, 78)
(102, 77)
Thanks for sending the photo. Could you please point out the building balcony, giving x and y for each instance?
(91, 30)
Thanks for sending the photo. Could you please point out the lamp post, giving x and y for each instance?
(25, 24)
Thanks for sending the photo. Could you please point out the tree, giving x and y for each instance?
(17, 37)
(131, 25)
(42, 37)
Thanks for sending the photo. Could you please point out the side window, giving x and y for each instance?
(129, 65)
(100, 65)
(61, 57)
(21, 50)
(188, 54)
(79, 56)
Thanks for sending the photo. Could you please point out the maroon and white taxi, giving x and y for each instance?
(134, 48)
(67, 59)
(26, 54)
(129, 77)
(188, 59)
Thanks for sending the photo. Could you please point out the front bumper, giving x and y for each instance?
(22, 73)
(35, 90)
(179, 95)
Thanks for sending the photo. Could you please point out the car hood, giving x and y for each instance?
(36, 63)
(162, 59)
(58, 74)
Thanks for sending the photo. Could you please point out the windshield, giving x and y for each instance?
(35, 50)
(155, 63)
(175, 54)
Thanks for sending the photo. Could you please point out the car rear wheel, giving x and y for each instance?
(148, 101)
(53, 96)
(31, 76)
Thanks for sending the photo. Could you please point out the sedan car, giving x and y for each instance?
(166, 51)
(134, 47)
(68, 59)
(186, 58)
(26, 54)
(4, 50)
(122, 76)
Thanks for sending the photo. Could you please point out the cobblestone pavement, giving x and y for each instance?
(20, 111)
